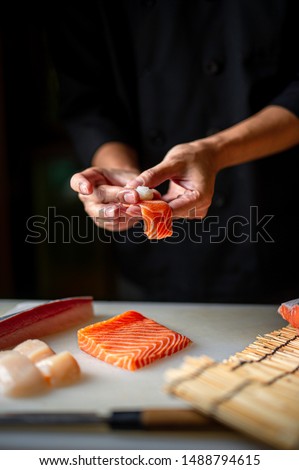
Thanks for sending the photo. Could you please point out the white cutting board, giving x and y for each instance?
(216, 330)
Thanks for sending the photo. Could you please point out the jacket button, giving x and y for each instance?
(157, 137)
(212, 67)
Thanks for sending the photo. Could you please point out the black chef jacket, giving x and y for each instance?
(156, 73)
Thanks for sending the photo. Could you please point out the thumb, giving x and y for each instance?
(152, 177)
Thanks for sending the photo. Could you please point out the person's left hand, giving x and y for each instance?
(104, 198)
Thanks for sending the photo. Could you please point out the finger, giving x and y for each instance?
(128, 196)
(106, 194)
(109, 213)
(118, 177)
(122, 223)
(80, 184)
(134, 211)
(104, 211)
(168, 197)
(86, 180)
(152, 177)
(131, 196)
(156, 194)
(188, 205)
(103, 194)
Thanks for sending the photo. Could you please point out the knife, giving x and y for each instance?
(146, 419)
(19, 308)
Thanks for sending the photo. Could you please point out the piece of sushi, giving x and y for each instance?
(290, 312)
(156, 214)
(130, 340)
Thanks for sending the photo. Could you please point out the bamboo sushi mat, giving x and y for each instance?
(256, 391)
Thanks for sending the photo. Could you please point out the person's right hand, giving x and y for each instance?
(104, 198)
(191, 171)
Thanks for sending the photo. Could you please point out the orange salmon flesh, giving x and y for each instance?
(157, 217)
(290, 312)
(130, 340)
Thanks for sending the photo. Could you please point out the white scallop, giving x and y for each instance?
(34, 349)
(19, 376)
(59, 369)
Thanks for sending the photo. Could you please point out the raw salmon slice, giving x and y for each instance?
(130, 340)
(157, 217)
(290, 312)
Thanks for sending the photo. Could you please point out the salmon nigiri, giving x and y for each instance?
(290, 312)
(156, 214)
(130, 340)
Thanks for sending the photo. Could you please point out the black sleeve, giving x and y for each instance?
(288, 97)
(91, 103)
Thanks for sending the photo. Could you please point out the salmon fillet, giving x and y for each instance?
(157, 217)
(290, 312)
(130, 340)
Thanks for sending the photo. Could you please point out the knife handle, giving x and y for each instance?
(158, 419)
(146, 419)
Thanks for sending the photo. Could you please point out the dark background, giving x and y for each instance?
(36, 163)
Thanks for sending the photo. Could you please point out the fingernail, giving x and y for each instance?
(83, 188)
(130, 198)
(139, 181)
(110, 212)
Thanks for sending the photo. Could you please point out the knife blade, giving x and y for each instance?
(19, 308)
(145, 419)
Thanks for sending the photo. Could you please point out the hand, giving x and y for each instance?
(104, 198)
(191, 170)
